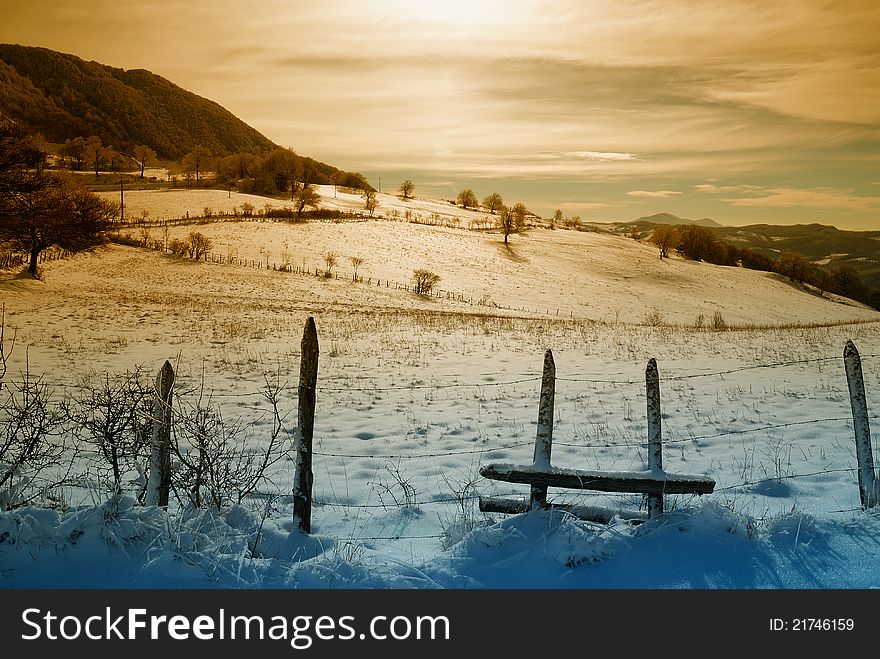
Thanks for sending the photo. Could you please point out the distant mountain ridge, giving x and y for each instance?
(63, 96)
(819, 243)
(669, 218)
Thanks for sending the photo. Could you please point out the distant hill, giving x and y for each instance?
(822, 244)
(63, 96)
(669, 218)
(819, 243)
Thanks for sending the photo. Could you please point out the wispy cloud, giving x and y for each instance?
(711, 188)
(654, 194)
(600, 155)
(646, 96)
(822, 198)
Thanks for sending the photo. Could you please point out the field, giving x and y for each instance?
(415, 394)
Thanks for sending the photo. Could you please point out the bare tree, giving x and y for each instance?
(199, 244)
(370, 201)
(512, 220)
(558, 219)
(220, 465)
(196, 160)
(467, 199)
(331, 259)
(424, 281)
(665, 237)
(407, 188)
(305, 196)
(493, 203)
(356, 262)
(93, 152)
(143, 155)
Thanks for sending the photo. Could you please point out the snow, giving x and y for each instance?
(416, 394)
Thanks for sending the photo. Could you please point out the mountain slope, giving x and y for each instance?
(669, 218)
(63, 96)
(817, 242)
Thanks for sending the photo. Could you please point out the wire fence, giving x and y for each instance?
(483, 450)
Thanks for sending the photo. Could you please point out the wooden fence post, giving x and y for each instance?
(159, 482)
(655, 438)
(867, 484)
(308, 379)
(544, 437)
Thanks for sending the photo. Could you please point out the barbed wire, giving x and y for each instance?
(525, 379)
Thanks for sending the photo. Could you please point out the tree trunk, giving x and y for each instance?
(35, 256)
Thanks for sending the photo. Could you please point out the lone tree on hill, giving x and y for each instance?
(371, 202)
(512, 220)
(38, 211)
(665, 236)
(305, 196)
(467, 199)
(407, 188)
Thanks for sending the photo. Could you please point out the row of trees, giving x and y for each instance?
(700, 244)
(275, 172)
(90, 153)
(39, 209)
(511, 219)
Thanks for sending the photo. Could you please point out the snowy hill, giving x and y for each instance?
(416, 393)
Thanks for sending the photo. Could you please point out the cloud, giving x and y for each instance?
(711, 188)
(585, 205)
(656, 194)
(600, 155)
(820, 198)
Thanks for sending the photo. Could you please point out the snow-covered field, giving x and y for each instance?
(414, 395)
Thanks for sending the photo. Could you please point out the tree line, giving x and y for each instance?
(699, 243)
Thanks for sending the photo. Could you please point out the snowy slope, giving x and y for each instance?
(414, 395)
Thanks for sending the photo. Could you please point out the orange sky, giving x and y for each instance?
(741, 111)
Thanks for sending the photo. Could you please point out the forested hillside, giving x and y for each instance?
(62, 97)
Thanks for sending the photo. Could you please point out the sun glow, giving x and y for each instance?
(462, 15)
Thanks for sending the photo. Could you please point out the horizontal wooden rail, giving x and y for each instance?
(643, 482)
(597, 514)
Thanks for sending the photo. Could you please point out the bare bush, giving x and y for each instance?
(113, 413)
(356, 262)
(5, 351)
(654, 318)
(178, 247)
(718, 322)
(31, 441)
(220, 465)
(331, 259)
(424, 281)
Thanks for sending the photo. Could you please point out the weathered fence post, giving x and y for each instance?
(867, 484)
(544, 437)
(159, 481)
(655, 438)
(308, 379)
